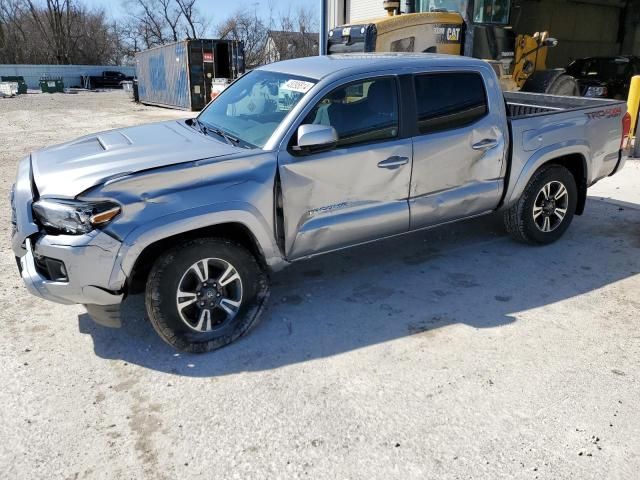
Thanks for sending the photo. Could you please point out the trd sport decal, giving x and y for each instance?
(606, 113)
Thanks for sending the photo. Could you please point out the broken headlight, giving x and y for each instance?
(74, 217)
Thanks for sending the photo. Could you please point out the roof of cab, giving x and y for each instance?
(353, 63)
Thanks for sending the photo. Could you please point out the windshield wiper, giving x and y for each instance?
(207, 129)
(231, 140)
(199, 125)
(204, 128)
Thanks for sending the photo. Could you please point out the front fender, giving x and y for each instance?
(518, 181)
(187, 220)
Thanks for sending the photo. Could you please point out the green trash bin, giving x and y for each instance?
(51, 85)
(22, 85)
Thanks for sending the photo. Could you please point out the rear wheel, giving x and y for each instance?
(204, 294)
(564, 85)
(545, 209)
(553, 82)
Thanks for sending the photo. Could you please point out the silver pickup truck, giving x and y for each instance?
(296, 159)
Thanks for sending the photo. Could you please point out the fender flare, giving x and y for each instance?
(192, 219)
(541, 157)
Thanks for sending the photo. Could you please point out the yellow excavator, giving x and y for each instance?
(476, 28)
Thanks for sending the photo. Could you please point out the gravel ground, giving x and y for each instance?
(450, 354)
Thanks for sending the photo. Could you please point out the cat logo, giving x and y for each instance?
(453, 34)
(447, 33)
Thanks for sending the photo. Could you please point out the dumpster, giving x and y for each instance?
(51, 84)
(181, 74)
(8, 89)
(22, 85)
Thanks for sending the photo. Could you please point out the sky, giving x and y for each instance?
(217, 10)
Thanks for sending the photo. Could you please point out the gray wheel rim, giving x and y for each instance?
(209, 295)
(550, 206)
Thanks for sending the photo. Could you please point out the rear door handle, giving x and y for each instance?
(485, 144)
(393, 162)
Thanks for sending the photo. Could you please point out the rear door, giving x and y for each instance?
(358, 191)
(459, 148)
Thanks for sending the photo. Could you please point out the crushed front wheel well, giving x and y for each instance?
(236, 232)
(577, 165)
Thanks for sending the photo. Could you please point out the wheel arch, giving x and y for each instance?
(577, 165)
(237, 222)
(234, 231)
(573, 159)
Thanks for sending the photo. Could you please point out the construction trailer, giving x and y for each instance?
(181, 74)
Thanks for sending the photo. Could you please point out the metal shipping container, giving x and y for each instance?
(179, 75)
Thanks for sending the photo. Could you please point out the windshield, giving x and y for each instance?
(441, 6)
(492, 11)
(253, 106)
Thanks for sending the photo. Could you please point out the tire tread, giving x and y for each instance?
(514, 217)
(159, 320)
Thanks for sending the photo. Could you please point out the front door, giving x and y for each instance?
(358, 191)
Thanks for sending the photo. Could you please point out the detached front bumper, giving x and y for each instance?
(87, 270)
(65, 269)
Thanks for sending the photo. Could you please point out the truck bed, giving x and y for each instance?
(521, 104)
(549, 126)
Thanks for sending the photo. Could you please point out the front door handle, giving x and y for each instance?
(485, 144)
(393, 162)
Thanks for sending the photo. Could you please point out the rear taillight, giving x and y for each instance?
(626, 128)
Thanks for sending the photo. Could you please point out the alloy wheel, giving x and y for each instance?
(550, 206)
(209, 295)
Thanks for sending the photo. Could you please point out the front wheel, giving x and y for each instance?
(545, 209)
(204, 294)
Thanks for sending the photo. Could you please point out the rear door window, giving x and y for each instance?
(449, 100)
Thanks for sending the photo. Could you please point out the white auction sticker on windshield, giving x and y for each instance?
(297, 86)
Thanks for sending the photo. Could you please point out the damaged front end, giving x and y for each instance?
(58, 266)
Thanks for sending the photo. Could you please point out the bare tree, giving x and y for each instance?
(54, 23)
(149, 22)
(248, 28)
(156, 22)
(194, 22)
(171, 14)
(55, 31)
(292, 34)
(12, 31)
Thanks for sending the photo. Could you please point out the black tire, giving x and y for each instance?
(553, 82)
(564, 85)
(519, 219)
(176, 266)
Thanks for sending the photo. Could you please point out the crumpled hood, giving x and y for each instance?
(66, 170)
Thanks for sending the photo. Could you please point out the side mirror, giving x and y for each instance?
(315, 138)
(550, 42)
